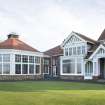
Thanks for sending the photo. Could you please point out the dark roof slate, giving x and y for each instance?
(102, 36)
(54, 51)
(85, 38)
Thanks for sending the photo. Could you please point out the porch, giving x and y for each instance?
(95, 69)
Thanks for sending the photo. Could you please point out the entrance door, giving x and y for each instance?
(102, 68)
(54, 71)
(88, 70)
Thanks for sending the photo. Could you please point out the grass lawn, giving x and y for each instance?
(51, 93)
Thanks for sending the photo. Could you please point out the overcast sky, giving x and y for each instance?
(46, 23)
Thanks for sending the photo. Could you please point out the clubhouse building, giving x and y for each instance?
(77, 58)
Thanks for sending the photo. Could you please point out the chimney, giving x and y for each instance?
(13, 35)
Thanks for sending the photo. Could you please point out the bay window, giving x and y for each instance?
(72, 66)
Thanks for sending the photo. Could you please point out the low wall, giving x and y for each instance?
(71, 77)
(96, 77)
(21, 77)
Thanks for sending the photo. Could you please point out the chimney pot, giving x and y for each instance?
(13, 35)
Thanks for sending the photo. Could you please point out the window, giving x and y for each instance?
(46, 69)
(66, 68)
(31, 69)
(24, 68)
(66, 51)
(17, 68)
(74, 50)
(83, 49)
(54, 61)
(46, 62)
(6, 57)
(66, 61)
(70, 51)
(6, 68)
(78, 68)
(31, 59)
(78, 50)
(17, 58)
(37, 69)
(69, 66)
(37, 59)
(0, 58)
(0, 68)
(24, 58)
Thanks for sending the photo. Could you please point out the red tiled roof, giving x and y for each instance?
(54, 51)
(15, 43)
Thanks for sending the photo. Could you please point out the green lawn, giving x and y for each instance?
(51, 93)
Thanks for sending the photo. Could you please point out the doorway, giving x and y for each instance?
(102, 68)
(88, 70)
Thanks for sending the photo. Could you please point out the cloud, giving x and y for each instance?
(46, 23)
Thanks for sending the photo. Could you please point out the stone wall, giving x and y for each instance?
(71, 77)
(96, 77)
(21, 77)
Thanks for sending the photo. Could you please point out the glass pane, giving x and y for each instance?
(0, 58)
(66, 68)
(66, 61)
(37, 59)
(37, 69)
(0, 68)
(74, 51)
(70, 51)
(6, 57)
(24, 58)
(78, 50)
(78, 68)
(31, 59)
(66, 51)
(25, 69)
(31, 69)
(17, 58)
(72, 67)
(46, 69)
(18, 69)
(69, 68)
(46, 62)
(83, 49)
(6, 68)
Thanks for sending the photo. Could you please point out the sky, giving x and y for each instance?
(44, 24)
